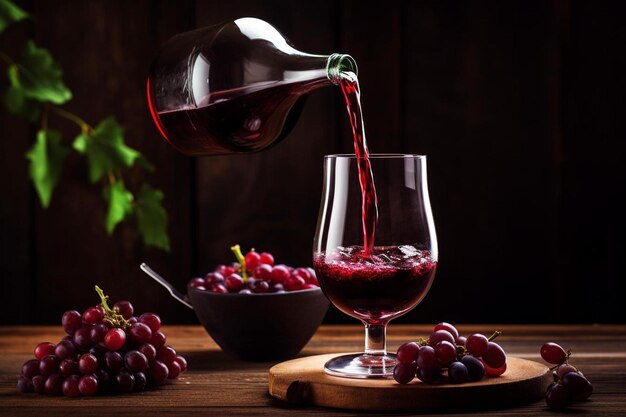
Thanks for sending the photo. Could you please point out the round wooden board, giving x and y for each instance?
(303, 381)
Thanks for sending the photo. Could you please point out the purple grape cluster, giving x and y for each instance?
(569, 385)
(105, 351)
(255, 273)
(465, 359)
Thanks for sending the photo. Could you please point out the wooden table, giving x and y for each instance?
(219, 385)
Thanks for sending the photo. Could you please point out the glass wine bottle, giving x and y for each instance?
(234, 88)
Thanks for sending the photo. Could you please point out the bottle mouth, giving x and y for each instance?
(338, 64)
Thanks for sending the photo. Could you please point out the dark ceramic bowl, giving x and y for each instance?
(260, 327)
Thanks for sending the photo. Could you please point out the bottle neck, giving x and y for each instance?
(314, 71)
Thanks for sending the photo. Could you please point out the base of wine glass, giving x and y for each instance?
(361, 365)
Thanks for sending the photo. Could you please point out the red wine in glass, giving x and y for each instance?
(391, 282)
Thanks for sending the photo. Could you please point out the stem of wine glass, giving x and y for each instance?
(376, 338)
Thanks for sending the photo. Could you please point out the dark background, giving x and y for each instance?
(520, 107)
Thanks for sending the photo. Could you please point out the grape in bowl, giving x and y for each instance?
(254, 309)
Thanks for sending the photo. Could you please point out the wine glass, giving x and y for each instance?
(391, 277)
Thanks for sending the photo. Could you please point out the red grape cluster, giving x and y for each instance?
(569, 385)
(466, 359)
(255, 273)
(105, 350)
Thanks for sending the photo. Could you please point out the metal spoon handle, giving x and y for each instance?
(158, 278)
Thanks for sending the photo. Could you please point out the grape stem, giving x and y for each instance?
(109, 313)
(242, 261)
(494, 335)
(460, 351)
(85, 127)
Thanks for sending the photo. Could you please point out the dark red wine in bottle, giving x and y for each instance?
(349, 84)
(237, 123)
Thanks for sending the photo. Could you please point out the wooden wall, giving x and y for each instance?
(519, 106)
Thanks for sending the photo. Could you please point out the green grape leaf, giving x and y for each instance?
(120, 202)
(105, 149)
(152, 218)
(19, 105)
(46, 163)
(9, 13)
(39, 76)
